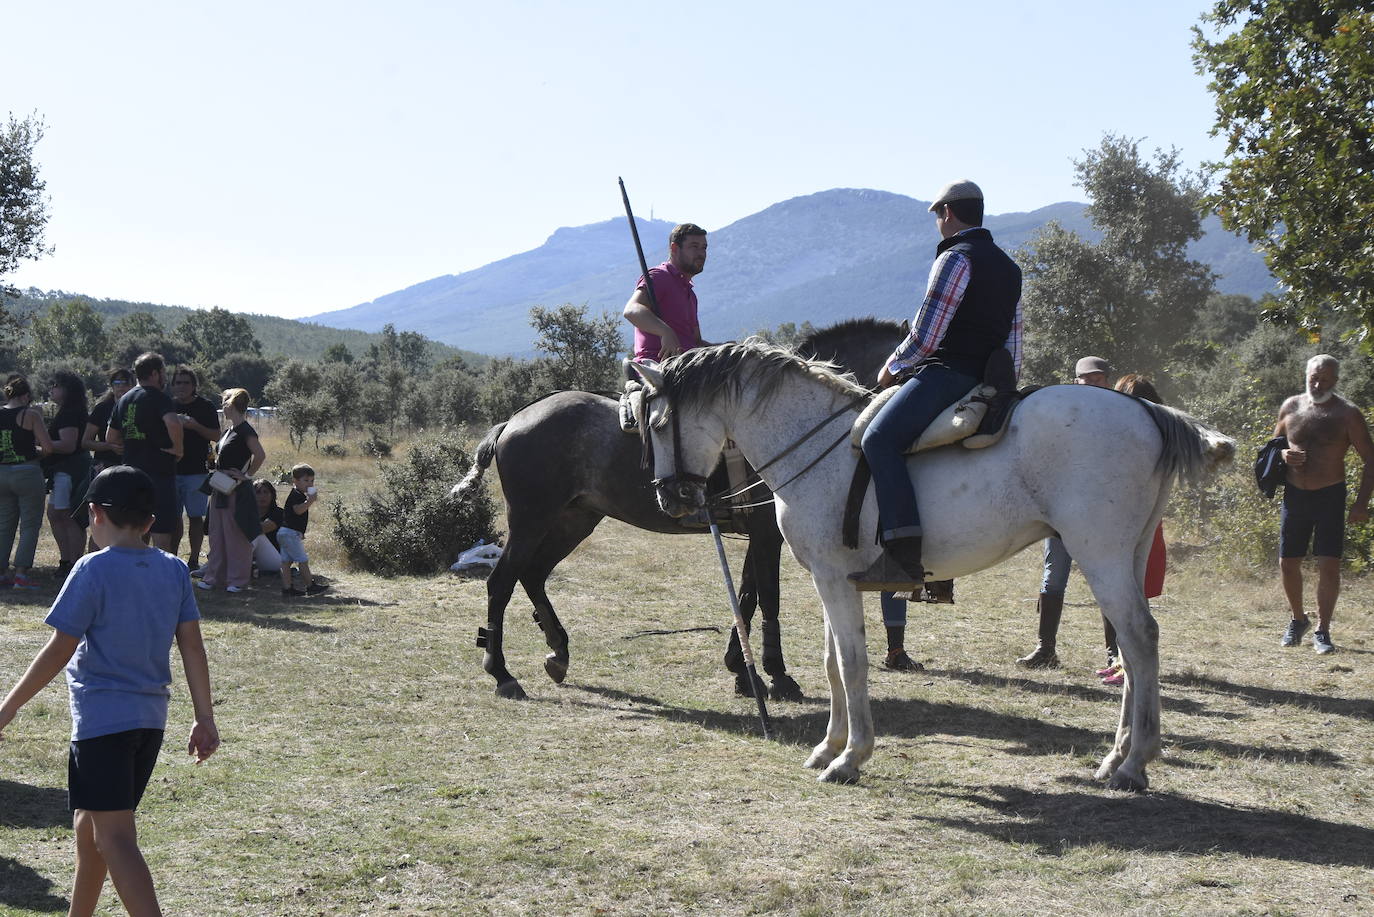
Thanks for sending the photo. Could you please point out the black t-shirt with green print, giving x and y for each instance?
(138, 416)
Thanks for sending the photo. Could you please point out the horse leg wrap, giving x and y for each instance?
(773, 663)
(482, 635)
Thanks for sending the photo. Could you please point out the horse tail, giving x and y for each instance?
(1191, 450)
(486, 451)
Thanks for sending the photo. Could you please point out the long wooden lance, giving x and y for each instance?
(741, 629)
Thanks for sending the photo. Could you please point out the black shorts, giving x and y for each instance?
(165, 506)
(1313, 516)
(109, 773)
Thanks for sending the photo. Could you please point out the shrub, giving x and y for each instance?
(412, 525)
(334, 450)
(376, 445)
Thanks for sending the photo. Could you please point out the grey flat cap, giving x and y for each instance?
(963, 190)
(1091, 365)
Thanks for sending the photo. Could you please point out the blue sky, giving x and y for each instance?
(296, 157)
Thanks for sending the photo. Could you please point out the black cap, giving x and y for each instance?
(122, 487)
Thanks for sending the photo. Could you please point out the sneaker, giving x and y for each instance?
(292, 593)
(1321, 642)
(202, 584)
(1111, 666)
(315, 588)
(234, 589)
(1115, 679)
(20, 581)
(197, 573)
(1293, 635)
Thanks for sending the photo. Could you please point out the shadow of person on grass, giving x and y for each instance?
(1355, 707)
(22, 887)
(1082, 692)
(1155, 822)
(24, 806)
(920, 719)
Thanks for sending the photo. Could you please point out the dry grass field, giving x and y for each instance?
(367, 767)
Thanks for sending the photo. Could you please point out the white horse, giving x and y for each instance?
(1090, 464)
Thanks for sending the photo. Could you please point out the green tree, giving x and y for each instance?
(787, 334)
(454, 392)
(215, 333)
(1293, 81)
(1132, 297)
(295, 390)
(337, 352)
(585, 352)
(23, 196)
(137, 325)
(241, 370)
(395, 361)
(71, 328)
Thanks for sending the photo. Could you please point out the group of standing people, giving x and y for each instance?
(169, 437)
(968, 329)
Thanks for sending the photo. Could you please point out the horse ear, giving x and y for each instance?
(650, 375)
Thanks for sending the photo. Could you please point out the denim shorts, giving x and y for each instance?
(109, 773)
(189, 497)
(291, 546)
(61, 496)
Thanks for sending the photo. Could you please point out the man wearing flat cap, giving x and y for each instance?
(970, 315)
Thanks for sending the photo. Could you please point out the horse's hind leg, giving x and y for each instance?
(1137, 735)
(570, 531)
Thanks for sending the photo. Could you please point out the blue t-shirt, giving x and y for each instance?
(124, 604)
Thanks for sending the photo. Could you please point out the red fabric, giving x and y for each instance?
(1154, 567)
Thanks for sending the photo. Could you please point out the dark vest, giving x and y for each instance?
(984, 318)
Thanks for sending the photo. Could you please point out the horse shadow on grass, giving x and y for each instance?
(1056, 820)
(23, 887)
(920, 719)
(1082, 692)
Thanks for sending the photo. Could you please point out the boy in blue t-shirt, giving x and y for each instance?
(113, 631)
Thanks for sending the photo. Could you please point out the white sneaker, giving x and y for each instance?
(1321, 642)
(233, 589)
(202, 584)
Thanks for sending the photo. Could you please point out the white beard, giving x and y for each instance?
(1322, 398)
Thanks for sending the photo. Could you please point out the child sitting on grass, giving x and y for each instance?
(113, 625)
(291, 535)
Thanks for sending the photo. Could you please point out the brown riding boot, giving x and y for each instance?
(897, 569)
(1051, 607)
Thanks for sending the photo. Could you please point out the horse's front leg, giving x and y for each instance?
(837, 729)
(848, 654)
(500, 585)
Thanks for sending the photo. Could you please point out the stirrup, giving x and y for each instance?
(886, 575)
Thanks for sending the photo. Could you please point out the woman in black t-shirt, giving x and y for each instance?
(68, 468)
(233, 521)
(106, 455)
(265, 552)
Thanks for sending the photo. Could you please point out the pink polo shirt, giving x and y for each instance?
(677, 307)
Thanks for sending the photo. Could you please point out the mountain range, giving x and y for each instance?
(819, 258)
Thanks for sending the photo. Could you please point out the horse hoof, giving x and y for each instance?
(839, 773)
(511, 690)
(556, 668)
(820, 758)
(1124, 781)
(743, 688)
(785, 688)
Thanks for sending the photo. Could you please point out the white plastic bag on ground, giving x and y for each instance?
(481, 556)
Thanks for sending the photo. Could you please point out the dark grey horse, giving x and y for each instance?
(565, 465)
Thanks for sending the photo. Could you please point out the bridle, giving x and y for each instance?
(679, 478)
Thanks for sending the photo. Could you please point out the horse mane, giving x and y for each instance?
(704, 374)
(825, 340)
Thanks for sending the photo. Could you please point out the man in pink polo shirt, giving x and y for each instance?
(674, 329)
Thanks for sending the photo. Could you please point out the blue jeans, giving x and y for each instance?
(901, 421)
(1057, 563)
(894, 609)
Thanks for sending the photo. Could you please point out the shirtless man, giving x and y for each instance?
(1321, 427)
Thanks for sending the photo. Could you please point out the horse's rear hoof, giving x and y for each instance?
(838, 773)
(511, 690)
(1123, 781)
(785, 688)
(556, 668)
(742, 687)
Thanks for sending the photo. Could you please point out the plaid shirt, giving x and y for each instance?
(949, 277)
